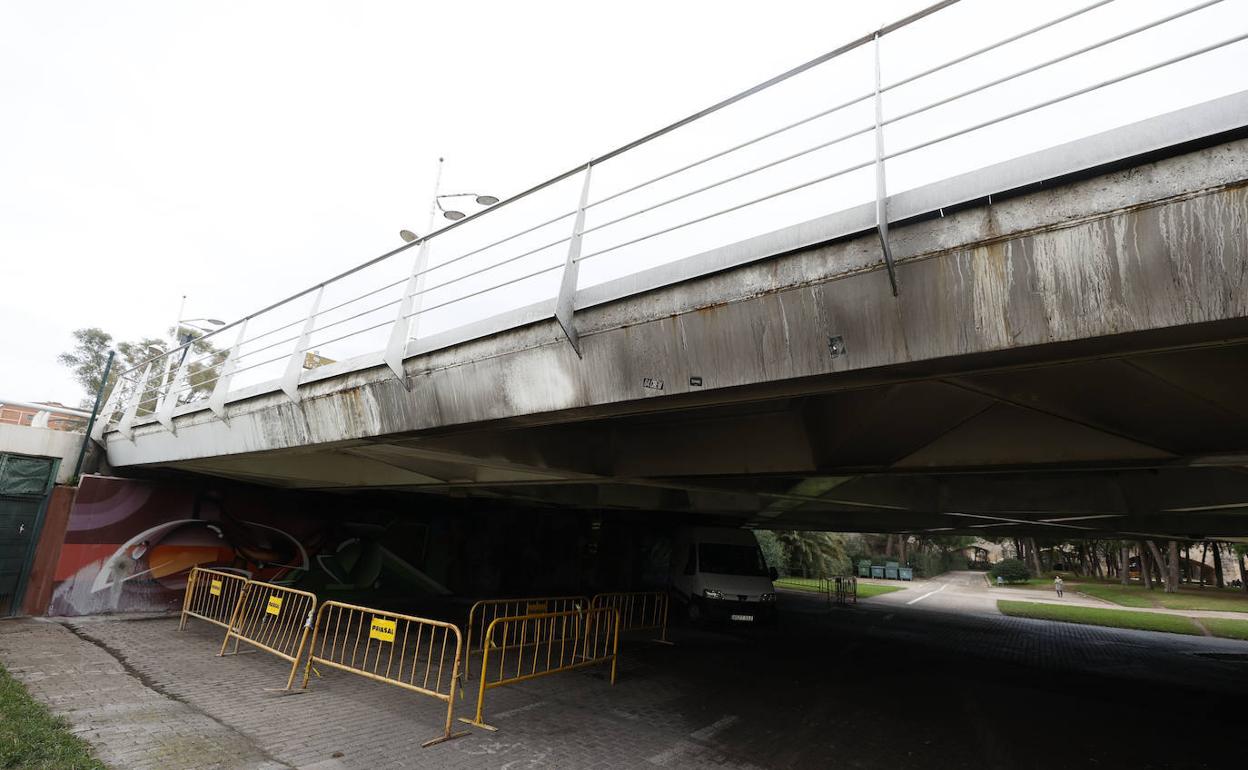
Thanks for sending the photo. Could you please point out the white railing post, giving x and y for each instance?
(164, 412)
(565, 305)
(401, 331)
(216, 402)
(881, 189)
(126, 425)
(294, 365)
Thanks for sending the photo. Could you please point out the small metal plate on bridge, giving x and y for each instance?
(836, 346)
(381, 629)
(214, 588)
(652, 383)
(695, 382)
(743, 617)
(275, 605)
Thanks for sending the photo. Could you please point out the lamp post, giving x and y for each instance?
(179, 340)
(454, 215)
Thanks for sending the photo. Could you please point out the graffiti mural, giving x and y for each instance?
(130, 545)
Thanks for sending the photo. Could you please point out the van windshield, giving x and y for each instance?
(723, 559)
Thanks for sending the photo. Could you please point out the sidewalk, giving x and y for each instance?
(128, 723)
(1084, 600)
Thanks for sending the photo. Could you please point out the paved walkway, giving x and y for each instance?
(883, 684)
(131, 724)
(969, 592)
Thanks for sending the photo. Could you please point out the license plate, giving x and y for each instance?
(743, 617)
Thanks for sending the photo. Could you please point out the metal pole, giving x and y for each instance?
(99, 394)
(422, 260)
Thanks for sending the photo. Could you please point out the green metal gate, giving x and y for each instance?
(25, 483)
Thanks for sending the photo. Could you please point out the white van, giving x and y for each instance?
(720, 574)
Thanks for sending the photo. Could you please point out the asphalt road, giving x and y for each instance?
(929, 677)
(944, 682)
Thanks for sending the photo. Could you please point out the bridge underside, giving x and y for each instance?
(1068, 361)
(1143, 434)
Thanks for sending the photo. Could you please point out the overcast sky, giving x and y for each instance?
(235, 152)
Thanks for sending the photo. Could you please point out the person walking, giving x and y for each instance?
(1057, 585)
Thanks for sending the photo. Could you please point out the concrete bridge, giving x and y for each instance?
(1066, 351)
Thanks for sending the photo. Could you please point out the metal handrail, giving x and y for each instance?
(843, 49)
(169, 385)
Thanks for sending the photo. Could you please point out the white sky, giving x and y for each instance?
(237, 152)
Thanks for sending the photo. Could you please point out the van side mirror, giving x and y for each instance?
(773, 574)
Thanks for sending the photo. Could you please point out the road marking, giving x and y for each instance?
(918, 599)
(517, 710)
(708, 732)
(686, 746)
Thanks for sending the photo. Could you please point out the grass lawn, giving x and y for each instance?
(30, 737)
(1224, 599)
(1226, 628)
(1095, 616)
(865, 590)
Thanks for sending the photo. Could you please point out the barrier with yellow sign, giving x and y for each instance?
(272, 618)
(639, 610)
(416, 654)
(485, 611)
(211, 595)
(519, 648)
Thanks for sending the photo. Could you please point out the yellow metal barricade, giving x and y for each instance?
(485, 611)
(275, 619)
(529, 646)
(639, 610)
(211, 595)
(402, 650)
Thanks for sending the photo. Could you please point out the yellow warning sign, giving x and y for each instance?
(381, 629)
(536, 608)
(214, 588)
(275, 605)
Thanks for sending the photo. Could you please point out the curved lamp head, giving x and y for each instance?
(408, 236)
(454, 215)
(486, 200)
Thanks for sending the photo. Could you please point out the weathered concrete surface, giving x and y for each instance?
(1153, 247)
(43, 442)
(719, 698)
(128, 724)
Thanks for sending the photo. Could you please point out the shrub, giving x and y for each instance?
(1010, 570)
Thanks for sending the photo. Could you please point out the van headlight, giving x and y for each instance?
(766, 597)
(711, 593)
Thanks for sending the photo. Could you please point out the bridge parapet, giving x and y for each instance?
(688, 200)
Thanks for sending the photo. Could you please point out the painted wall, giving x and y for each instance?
(48, 550)
(129, 545)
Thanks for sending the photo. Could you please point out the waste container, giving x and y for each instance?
(864, 568)
(890, 570)
(905, 573)
(877, 572)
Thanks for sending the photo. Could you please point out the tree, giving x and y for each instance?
(87, 359)
(90, 353)
(773, 552)
(813, 554)
(1241, 550)
(1010, 570)
(1167, 565)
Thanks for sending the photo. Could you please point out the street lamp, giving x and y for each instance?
(180, 339)
(454, 215)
